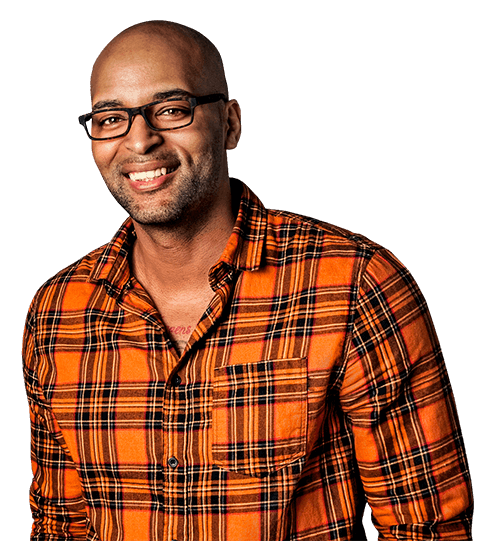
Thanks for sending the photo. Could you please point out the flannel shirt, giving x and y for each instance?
(312, 383)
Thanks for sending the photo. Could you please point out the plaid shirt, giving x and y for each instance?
(313, 382)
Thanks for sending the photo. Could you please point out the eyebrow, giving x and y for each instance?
(167, 94)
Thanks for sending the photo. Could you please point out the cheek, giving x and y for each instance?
(103, 154)
(186, 140)
(201, 136)
(187, 146)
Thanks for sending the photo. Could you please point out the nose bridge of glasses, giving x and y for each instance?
(135, 112)
(139, 111)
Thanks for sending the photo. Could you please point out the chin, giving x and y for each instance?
(158, 217)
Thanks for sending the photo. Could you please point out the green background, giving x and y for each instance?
(375, 116)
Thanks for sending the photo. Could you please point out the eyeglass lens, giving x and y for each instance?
(166, 115)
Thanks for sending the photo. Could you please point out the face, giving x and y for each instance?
(163, 177)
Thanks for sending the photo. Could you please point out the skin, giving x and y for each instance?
(182, 222)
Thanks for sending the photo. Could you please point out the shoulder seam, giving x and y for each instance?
(326, 227)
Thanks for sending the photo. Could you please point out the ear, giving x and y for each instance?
(233, 124)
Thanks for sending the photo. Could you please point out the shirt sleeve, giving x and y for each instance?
(57, 504)
(398, 401)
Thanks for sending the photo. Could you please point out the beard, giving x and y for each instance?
(182, 199)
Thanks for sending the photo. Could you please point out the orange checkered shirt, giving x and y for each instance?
(313, 382)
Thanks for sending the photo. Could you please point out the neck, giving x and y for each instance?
(182, 254)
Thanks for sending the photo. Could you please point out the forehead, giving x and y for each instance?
(136, 68)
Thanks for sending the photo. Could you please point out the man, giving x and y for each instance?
(220, 371)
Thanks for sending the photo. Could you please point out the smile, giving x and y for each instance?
(147, 176)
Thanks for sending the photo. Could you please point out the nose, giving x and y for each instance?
(141, 138)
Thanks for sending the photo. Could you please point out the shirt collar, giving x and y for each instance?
(244, 249)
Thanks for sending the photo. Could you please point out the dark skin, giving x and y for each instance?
(184, 219)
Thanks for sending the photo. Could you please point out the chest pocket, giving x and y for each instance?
(260, 415)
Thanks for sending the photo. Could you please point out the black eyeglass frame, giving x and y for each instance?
(134, 111)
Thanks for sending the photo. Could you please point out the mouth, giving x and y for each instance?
(146, 181)
(150, 176)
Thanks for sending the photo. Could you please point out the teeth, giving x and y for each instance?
(149, 175)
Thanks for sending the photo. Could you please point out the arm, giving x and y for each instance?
(397, 397)
(56, 499)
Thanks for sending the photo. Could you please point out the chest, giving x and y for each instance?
(181, 311)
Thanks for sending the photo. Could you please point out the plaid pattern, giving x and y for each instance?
(313, 382)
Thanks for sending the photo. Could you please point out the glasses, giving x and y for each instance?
(161, 115)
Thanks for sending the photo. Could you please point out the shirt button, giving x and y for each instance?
(172, 462)
(177, 380)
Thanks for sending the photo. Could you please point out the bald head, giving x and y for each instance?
(200, 59)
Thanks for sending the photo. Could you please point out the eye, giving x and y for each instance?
(173, 111)
(170, 113)
(109, 120)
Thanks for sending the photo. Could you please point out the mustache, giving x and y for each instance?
(169, 158)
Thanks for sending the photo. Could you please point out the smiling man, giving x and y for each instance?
(169, 172)
(220, 371)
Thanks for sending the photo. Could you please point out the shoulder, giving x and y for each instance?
(73, 280)
(292, 228)
(74, 285)
(335, 247)
(284, 220)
